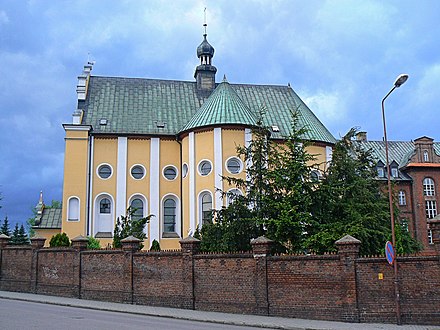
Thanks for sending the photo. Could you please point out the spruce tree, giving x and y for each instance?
(4, 229)
(129, 226)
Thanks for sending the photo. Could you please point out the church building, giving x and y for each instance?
(162, 147)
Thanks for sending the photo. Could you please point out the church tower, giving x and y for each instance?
(205, 72)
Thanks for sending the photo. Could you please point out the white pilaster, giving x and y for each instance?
(154, 189)
(121, 178)
(247, 143)
(218, 168)
(328, 153)
(192, 183)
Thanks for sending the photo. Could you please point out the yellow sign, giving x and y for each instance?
(380, 276)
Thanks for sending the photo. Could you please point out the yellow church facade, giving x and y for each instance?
(162, 147)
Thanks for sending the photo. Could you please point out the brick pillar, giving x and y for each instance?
(189, 246)
(79, 243)
(434, 225)
(37, 243)
(3, 243)
(261, 248)
(348, 250)
(130, 245)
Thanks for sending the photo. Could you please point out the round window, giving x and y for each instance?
(184, 170)
(104, 171)
(137, 172)
(170, 172)
(314, 176)
(205, 167)
(233, 165)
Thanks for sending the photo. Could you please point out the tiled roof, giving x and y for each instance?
(164, 107)
(398, 151)
(50, 219)
(224, 106)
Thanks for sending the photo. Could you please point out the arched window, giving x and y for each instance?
(314, 176)
(428, 187)
(232, 195)
(425, 156)
(137, 207)
(105, 206)
(73, 209)
(206, 207)
(402, 198)
(169, 215)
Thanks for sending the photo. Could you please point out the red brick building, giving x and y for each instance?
(415, 175)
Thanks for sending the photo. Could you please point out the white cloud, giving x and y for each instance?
(327, 106)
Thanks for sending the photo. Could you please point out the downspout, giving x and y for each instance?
(181, 185)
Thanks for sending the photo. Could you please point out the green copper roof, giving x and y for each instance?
(224, 106)
(165, 107)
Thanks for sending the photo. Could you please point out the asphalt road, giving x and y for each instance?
(19, 315)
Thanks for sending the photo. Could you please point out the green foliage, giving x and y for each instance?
(93, 243)
(277, 201)
(349, 201)
(19, 236)
(405, 243)
(155, 246)
(129, 226)
(60, 239)
(5, 229)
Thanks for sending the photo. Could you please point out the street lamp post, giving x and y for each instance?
(399, 82)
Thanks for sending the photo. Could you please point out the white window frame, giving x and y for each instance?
(200, 202)
(425, 156)
(69, 210)
(232, 191)
(199, 166)
(428, 187)
(167, 167)
(185, 170)
(431, 209)
(101, 165)
(177, 225)
(402, 197)
(394, 172)
(239, 162)
(143, 168)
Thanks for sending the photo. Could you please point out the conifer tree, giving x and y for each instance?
(276, 201)
(4, 229)
(350, 201)
(19, 236)
(129, 226)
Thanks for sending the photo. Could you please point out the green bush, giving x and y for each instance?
(155, 246)
(59, 240)
(93, 243)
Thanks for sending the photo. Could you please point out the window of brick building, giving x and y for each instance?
(428, 187)
(402, 198)
(425, 156)
(431, 209)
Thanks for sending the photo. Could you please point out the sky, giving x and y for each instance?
(340, 56)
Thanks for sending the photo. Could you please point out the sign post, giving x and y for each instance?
(389, 252)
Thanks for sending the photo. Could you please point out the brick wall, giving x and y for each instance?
(340, 287)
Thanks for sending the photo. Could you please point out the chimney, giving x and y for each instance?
(361, 136)
(83, 79)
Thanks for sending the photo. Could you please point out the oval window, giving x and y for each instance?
(233, 165)
(205, 167)
(104, 171)
(170, 172)
(137, 172)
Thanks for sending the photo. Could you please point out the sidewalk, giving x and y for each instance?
(223, 318)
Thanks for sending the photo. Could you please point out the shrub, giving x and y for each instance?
(93, 243)
(59, 240)
(155, 246)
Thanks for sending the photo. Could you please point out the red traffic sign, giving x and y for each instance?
(389, 252)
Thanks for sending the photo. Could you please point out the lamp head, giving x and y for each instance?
(401, 80)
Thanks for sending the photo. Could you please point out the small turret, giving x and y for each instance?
(205, 72)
